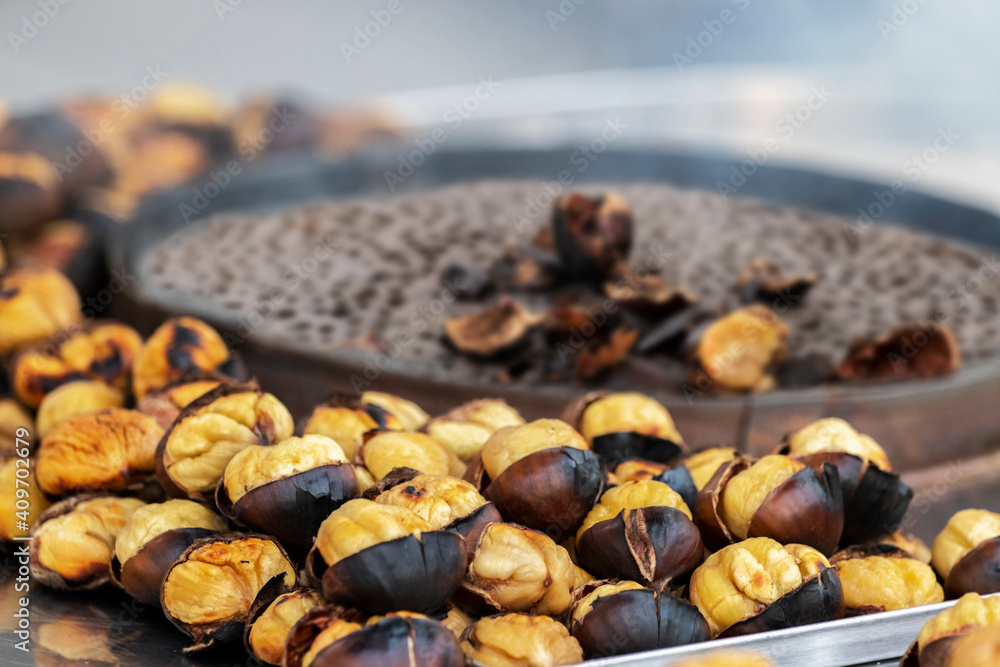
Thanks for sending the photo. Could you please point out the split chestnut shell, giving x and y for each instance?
(966, 554)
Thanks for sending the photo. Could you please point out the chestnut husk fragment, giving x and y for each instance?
(977, 572)
(496, 329)
(550, 491)
(894, 356)
(395, 641)
(142, 574)
(875, 501)
(649, 296)
(763, 281)
(656, 546)
(653, 620)
(404, 574)
(272, 590)
(593, 235)
(778, 517)
(679, 479)
(292, 508)
(817, 600)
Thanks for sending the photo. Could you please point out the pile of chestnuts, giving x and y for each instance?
(375, 533)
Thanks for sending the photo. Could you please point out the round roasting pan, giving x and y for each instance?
(922, 423)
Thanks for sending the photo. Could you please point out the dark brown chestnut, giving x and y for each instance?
(593, 235)
(640, 531)
(625, 425)
(518, 640)
(967, 553)
(875, 499)
(288, 489)
(775, 496)
(612, 618)
(542, 475)
(178, 347)
(382, 558)
(153, 538)
(758, 585)
(272, 617)
(884, 578)
(444, 502)
(209, 590)
(73, 541)
(192, 455)
(940, 637)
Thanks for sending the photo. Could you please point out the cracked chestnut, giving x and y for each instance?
(384, 451)
(741, 350)
(517, 640)
(270, 621)
(625, 425)
(465, 429)
(165, 404)
(178, 347)
(35, 304)
(153, 538)
(74, 398)
(617, 618)
(640, 531)
(382, 558)
(410, 415)
(288, 489)
(759, 585)
(940, 637)
(884, 578)
(775, 496)
(346, 419)
(444, 502)
(967, 553)
(209, 590)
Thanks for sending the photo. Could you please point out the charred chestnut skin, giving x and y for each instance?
(817, 600)
(406, 573)
(807, 508)
(654, 545)
(977, 572)
(292, 508)
(635, 620)
(550, 491)
(141, 575)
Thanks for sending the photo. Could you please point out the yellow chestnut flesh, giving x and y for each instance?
(437, 499)
(633, 496)
(359, 524)
(271, 628)
(257, 465)
(151, 521)
(513, 443)
(410, 415)
(965, 531)
(888, 583)
(745, 493)
(515, 640)
(466, 429)
(980, 648)
(76, 398)
(628, 412)
(836, 435)
(9, 515)
(179, 346)
(35, 305)
(737, 351)
(704, 464)
(970, 611)
(392, 449)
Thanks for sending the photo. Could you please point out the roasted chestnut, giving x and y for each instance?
(153, 538)
(758, 585)
(192, 456)
(15, 424)
(498, 329)
(34, 305)
(512, 568)
(95, 351)
(74, 398)
(542, 475)
(740, 350)
(616, 618)
(517, 640)
(346, 419)
(641, 531)
(624, 426)
(703, 464)
(442, 501)
(208, 591)
(330, 637)
(287, 489)
(634, 471)
(875, 499)
(19, 489)
(410, 415)
(382, 452)
(727, 659)
(913, 546)
(593, 235)
(268, 624)
(940, 636)
(967, 553)
(178, 346)
(381, 558)
(776, 497)
(979, 648)
(107, 450)
(165, 404)
(465, 429)
(73, 541)
(30, 191)
(884, 579)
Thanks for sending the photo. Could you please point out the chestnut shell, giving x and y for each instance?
(936, 654)
(142, 574)
(977, 572)
(406, 573)
(393, 642)
(655, 546)
(638, 620)
(817, 600)
(292, 508)
(550, 491)
(679, 479)
(302, 635)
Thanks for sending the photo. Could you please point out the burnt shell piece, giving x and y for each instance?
(679, 479)
(593, 235)
(817, 600)
(638, 620)
(909, 351)
(395, 641)
(977, 572)
(492, 331)
(550, 491)
(292, 508)
(407, 574)
(714, 532)
(302, 635)
(615, 448)
(807, 508)
(142, 574)
(488, 513)
(653, 545)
